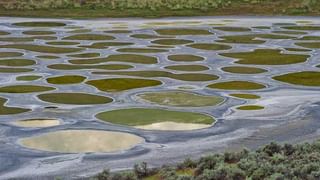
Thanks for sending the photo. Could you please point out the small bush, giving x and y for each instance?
(104, 175)
(272, 148)
(141, 170)
(187, 163)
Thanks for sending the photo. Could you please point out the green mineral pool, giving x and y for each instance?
(147, 118)
(179, 98)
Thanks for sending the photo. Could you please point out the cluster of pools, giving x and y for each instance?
(149, 75)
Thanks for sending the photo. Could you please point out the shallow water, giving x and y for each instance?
(172, 126)
(81, 141)
(37, 123)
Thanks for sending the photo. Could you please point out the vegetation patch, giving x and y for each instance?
(182, 31)
(39, 24)
(89, 37)
(37, 123)
(209, 46)
(187, 67)
(74, 98)
(243, 70)
(130, 58)
(80, 67)
(237, 85)
(145, 116)
(142, 50)
(246, 96)
(171, 41)
(66, 79)
(266, 57)
(10, 54)
(185, 58)
(183, 77)
(25, 89)
(304, 78)
(5, 110)
(122, 84)
(312, 45)
(250, 107)
(176, 173)
(16, 62)
(41, 49)
(28, 78)
(62, 43)
(233, 29)
(155, 8)
(67, 141)
(271, 161)
(181, 99)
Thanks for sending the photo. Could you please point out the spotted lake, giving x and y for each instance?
(80, 96)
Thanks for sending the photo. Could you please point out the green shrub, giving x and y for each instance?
(272, 148)
(187, 163)
(168, 173)
(304, 5)
(273, 161)
(141, 170)
(115, 4)
(104, 175)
